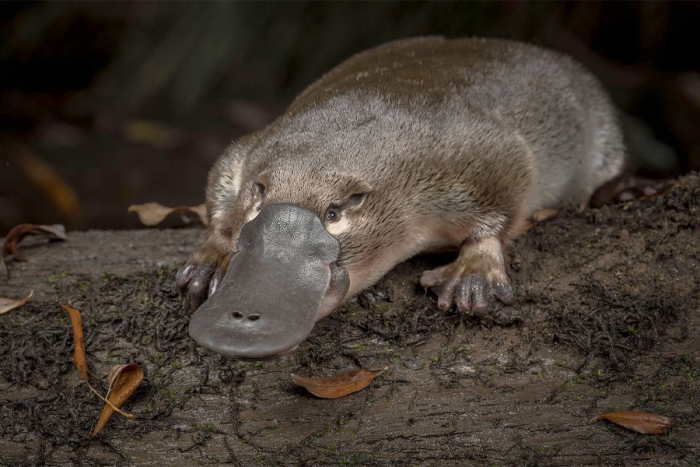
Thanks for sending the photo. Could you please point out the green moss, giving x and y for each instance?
(159, 358)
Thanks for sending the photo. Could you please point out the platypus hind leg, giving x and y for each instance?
(473, 280)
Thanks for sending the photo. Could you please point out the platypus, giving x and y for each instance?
(418, 145)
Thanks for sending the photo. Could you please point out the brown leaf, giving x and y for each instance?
(9, 304)
(154, 213)
(338, 386)
(201, 211)
(78, 340)
(52, 232)
(641, 422)
(120, 393)
(123, 381)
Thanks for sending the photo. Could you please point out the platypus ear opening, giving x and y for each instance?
(356, 194)
(259, 188)
(258, 193)
(354, 201)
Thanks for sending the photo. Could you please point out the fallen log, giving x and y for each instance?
(606, 318)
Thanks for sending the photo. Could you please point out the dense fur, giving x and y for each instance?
(423, 144)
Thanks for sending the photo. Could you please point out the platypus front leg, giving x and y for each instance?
(204, 271)
(471, 281)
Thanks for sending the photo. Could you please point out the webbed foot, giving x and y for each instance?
(473, 280)
(202, 273)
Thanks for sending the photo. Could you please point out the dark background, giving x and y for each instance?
(107, 104)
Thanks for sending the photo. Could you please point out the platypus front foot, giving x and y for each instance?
(473, 279)
(202, 273)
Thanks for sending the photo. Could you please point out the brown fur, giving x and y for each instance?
(423, 144)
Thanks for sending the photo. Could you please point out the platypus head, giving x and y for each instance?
(282, 280)
(288, 271)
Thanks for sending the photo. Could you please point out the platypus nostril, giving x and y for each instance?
(237, 314)
(254, 317)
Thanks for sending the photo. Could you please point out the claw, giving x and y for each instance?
(504, 291)
(446, 294)
(199, 284)
(215, 281)
(474, 294)
(202, 274)
(184, 275)
(197, 281)
(472, 280)
(200, 279)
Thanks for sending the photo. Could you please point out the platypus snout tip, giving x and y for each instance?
(243, 338)
(283, 279)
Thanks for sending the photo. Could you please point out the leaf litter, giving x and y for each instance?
(9, 304)
(641, 422)
(15, 236)
(123, 379)
(154, 213)
(340, 385)
(123, 382)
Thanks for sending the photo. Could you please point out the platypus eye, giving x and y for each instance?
(332, 215)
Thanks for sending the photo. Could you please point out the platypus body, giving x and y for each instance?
(417, 145)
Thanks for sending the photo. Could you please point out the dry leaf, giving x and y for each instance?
(78, 340)
(9, 304)
(338, 386)
(641, 422)
(201, 211)
(154, 213)
(123, 381)
(80, 363)
(52, 232)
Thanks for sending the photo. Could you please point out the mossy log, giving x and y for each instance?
(608, 318)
